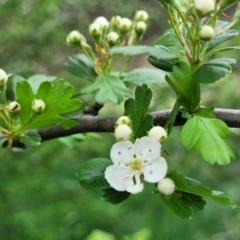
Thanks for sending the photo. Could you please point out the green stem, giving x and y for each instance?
(179, 35)
(125, 65)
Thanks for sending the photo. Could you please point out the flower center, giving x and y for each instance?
(135, 165)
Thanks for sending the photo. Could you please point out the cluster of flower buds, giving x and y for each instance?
(204, 8)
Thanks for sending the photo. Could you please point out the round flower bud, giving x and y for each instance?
(158, 133)
(206, 33)
(3, 77)
(166, 186)
(123, 132)
(103, 22)
(115, 21)
(140, 27)
(112, 38)
(38, 105)
(75, 38)
(124, 24)
(141, 15)
(14, 107)
(123, 120)
(95, 30)
(204, 7)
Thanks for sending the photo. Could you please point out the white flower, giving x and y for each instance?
(125, 24)
(95, 30)
(141, 27)
(103, 22)
(206, 33)
(133, 161)
(123, 120)
(3, 77)
(38, 105)
(14, 107)
(141, 15)
(204, 7)
(158, 133)
(166, 186)
(112, 38)
(123, 132)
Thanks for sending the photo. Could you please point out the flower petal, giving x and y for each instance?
(147, 149)
(155, 171)
(116, 176)
(122, 152)
(133, 184)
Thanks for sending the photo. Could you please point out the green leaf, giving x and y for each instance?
(108, 87)
(36, 79)
(25, 97)
(208, 133)
(188, 185)
(2, 141)
(57, 97)
(137, 108)
(213, 52)
(161, 64)
(80, 66)
(91, 173)
(158, 51)
(177, 204)
(140, 76)
(214, 70)
(113, 196)
(223, 37)
(30, 139)
(187, 88)
(71, 141)
(169, 39)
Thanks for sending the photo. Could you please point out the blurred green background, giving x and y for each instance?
(40, 197)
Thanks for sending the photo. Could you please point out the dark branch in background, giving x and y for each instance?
(88, 123)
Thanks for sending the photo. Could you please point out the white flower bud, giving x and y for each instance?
(103, 22)
(75, 38)
(3, 77)
(115, 21)
(14, 107)
(158, 133)
(141, 15)
(95, 30)
(206, 33)
(204, 7)
(140, 27)
(112, 38)
(38, 105)
(166, 186)
(123, 120)
(124, 24)
(123, 132)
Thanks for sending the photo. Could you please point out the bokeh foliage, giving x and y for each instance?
(40, 197)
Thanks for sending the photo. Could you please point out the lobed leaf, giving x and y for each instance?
(208, 133)
(140, 76)
(214, 70)
(137, 108)
(109, 88)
